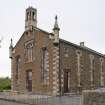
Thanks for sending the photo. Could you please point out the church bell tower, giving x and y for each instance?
(31, 18)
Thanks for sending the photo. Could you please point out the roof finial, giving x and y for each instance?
(11, 41)
(56, 17)
(56, 23)
(11, 44)
(10, 49)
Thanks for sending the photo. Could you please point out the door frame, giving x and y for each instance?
(29, 81)
(66, 80)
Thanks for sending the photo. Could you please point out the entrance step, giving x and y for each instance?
(70, 94)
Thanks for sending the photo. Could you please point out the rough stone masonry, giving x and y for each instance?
(94, 97)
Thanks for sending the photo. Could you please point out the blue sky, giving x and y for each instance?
(79, 20)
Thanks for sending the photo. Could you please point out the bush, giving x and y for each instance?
(5, 84)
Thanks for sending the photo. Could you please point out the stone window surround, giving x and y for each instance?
(92, 63)
(45, 66)
(18, 60)
(101, 72)
(79, 54)
(29, 51)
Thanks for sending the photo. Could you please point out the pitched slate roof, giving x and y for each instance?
(67, 42)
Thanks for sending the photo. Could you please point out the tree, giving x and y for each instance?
(1, 40)
(5, 83)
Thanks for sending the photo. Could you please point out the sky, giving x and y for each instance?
(79, 21)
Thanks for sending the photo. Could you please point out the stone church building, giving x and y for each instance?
(43, 63)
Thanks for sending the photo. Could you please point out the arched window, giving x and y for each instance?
(29, 51)
(18, 62)
(101, 72)
(33, 16)
(79, 54)
(27, 17)
(92, 68)
(45, 66)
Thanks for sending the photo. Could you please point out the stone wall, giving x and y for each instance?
(41, 40)
(41, 99)
(85, 67)
(93, 97)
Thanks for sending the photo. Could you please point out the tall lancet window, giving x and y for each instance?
(18, 62)
(45, 66)
(27, 16)
(101, 72)
(92, 65)
(29, 51)
(79, 54)
(33, 15)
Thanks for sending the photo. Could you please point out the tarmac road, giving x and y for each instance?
(2, 102)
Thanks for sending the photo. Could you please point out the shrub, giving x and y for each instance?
(5, 84)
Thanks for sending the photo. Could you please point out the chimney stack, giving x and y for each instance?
(82, 44)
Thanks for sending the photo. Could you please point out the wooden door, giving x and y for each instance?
(65, 81)
(29, 80)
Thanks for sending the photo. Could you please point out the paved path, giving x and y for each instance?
(2, 102)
